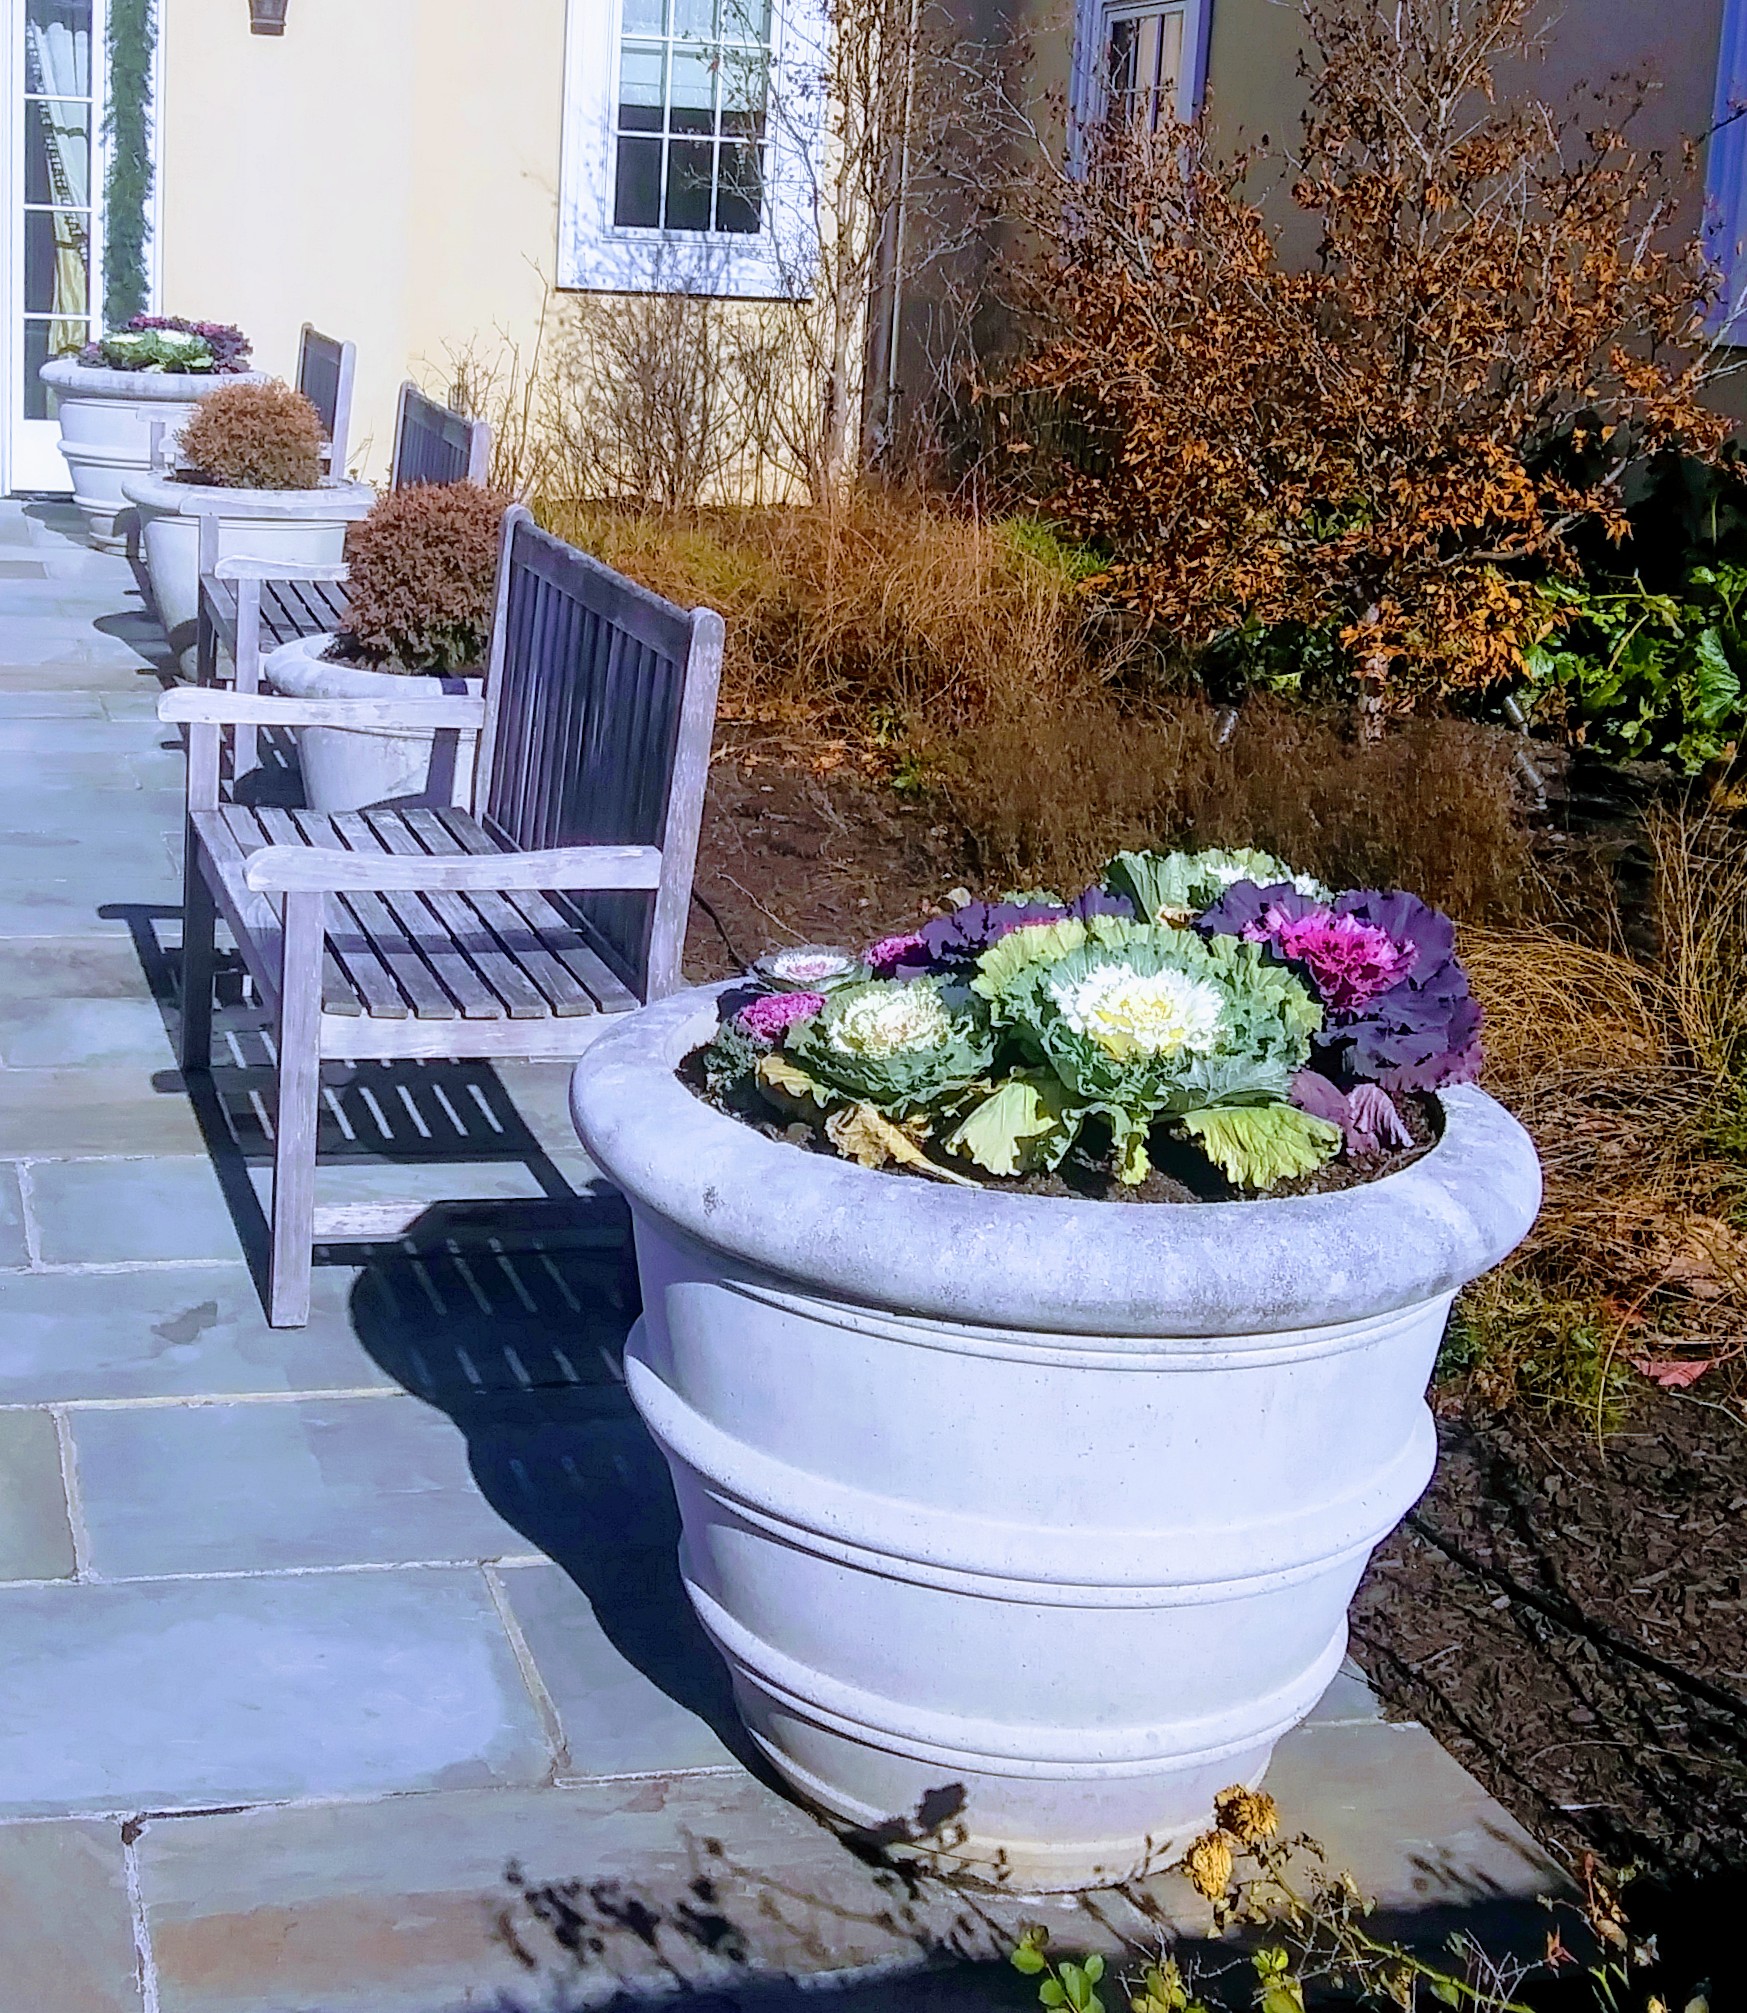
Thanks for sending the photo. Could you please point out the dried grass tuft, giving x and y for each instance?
(1629, 1074)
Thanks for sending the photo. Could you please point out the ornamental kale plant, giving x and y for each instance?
(1266, 1022)
(172, 345)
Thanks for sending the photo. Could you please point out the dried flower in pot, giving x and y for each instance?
(422, 575)
(253, 436)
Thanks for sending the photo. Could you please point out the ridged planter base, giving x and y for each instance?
(1026, 1525)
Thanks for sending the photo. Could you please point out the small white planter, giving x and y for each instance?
(106, 429)
(301, 524)
(1045, 1510)
(355, 768)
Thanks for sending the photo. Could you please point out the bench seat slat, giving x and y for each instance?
(387, 934)
(555, 930)
(497, 968)
(427, 927)
(251, 914)
(346, 934)
(522, 940)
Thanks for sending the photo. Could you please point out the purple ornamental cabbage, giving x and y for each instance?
(950, 945)
(1419, 1033)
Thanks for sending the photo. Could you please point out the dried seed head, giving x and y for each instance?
(1250, 1815)
(1208, 1864)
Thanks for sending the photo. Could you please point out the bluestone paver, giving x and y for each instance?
(182, 1332)
(614, 1718)
(174, 1693)
(138, 1210)
(66, 1923)
(256, 1488)
(36, 1537)
(82, 1109)
(14, 1246)
(98, 1034)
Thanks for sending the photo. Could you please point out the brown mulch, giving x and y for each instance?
(1569, 1620)
(791, 855)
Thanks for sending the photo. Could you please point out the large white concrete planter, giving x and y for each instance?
(301, 524)
(1043, 1511)
(353, 768)
(106, 429)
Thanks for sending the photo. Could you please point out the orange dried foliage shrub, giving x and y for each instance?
(422, 577)
(254, 436)
(1371, 442)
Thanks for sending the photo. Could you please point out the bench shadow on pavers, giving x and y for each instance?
(520, 1347)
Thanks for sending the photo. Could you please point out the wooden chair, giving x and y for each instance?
(247, 608)
(512, 927)
(325, 370)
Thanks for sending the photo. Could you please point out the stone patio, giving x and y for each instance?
(348, 1670)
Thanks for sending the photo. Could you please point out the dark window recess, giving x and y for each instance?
(637, 197)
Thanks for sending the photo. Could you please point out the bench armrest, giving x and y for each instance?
(295, 869)
(212, 705)
(239, 568)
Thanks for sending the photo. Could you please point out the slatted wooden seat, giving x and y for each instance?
(248, 608)
(514, 926)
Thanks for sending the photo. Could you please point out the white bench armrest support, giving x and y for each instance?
(212, 705)
(287, 869)
(238, 568)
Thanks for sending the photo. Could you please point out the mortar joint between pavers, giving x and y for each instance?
(544, 1706)
(69, 1454)
(27, 1215)
(145, 1958)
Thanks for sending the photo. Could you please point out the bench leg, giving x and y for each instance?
(199, 916)
(299, 1038)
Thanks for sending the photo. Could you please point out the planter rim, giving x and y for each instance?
(65, 373)
(337, 496)
(307, 651)
(1068, 1266)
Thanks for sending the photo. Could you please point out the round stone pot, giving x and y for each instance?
(1036, 1516)
(357, 768)
(301, 524)
(106, 429)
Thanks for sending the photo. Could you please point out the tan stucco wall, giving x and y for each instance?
(388, 169)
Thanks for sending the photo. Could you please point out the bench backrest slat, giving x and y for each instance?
(433, 444)
(325, 369)
(600, 704)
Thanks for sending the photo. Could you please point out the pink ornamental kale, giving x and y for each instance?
(771, 1015)
(886, 957)
(1419, 1033)
(1351, 962)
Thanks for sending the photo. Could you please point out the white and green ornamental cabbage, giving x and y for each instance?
(1174, 887)
(1137, 1024)
(895, 1044)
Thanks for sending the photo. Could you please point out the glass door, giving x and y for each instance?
(52, 233)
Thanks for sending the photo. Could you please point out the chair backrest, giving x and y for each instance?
(325, 369)
(433, 444)
(599, 706)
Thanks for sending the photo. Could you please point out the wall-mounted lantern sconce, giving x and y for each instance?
(266, 17)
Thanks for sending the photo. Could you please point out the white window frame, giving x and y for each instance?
(1725, 221)
(595, 255)
(1093, 20)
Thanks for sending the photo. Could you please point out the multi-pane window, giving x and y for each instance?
(57, 112)
(691, 115)
(1143, 69)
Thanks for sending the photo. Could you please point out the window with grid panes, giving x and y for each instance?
(690, 115)
(1139, 65)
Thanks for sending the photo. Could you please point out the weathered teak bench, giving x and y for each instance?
(512, 927)
(249, 607)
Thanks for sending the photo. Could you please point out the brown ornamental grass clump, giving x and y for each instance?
(422, 574)
(254, 436)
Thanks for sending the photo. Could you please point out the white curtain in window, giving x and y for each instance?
(58, 64)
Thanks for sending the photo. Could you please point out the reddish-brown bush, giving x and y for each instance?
(423, 566)
(254, 436)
